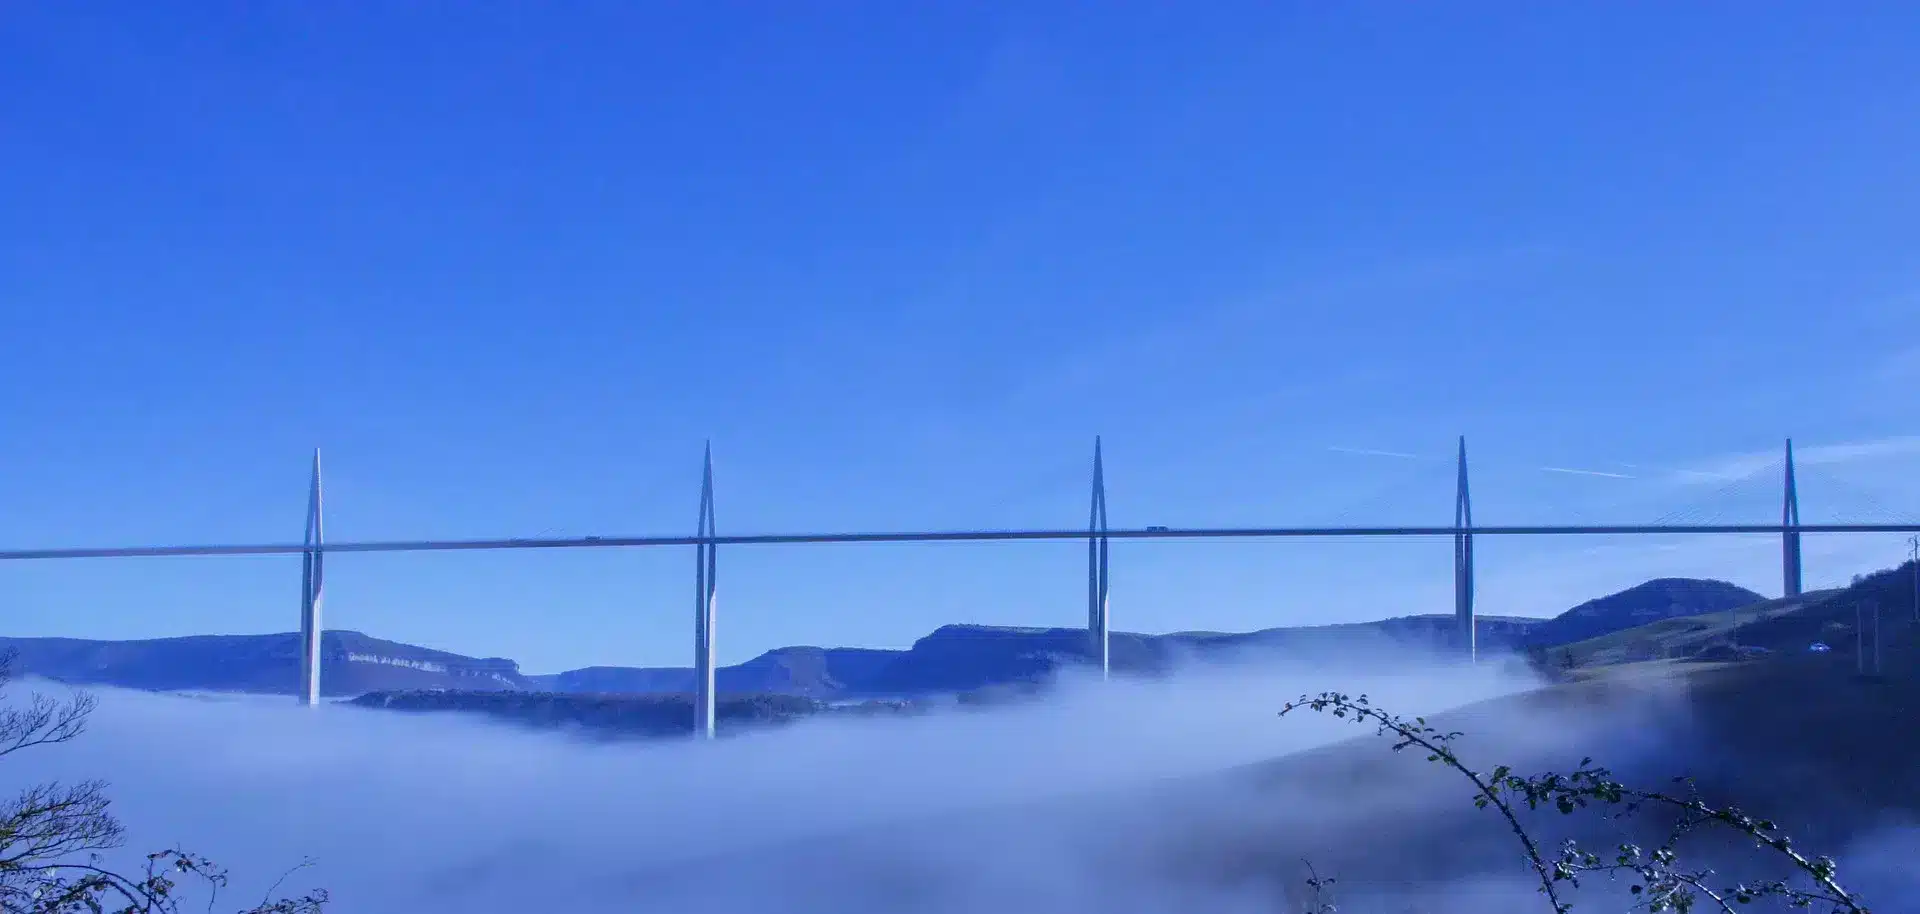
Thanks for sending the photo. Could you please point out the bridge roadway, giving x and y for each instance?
(950, 536)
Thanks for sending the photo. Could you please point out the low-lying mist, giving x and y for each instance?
(1110, 797)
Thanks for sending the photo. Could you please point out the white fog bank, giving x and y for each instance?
(446, 812)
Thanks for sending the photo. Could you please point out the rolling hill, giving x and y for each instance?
(1785, 626)
(1661, 598)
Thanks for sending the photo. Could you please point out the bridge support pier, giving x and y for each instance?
(1790, 533)
(1463, 561)
(705, 567)
(1097, 633)
(311, 561)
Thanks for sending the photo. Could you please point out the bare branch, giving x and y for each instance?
(51, 821)
(1661, 885)
(43, 721)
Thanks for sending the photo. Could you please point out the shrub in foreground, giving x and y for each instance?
(52, 835)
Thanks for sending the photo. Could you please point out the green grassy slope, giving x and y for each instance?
(1681, 637)
(1786, 626)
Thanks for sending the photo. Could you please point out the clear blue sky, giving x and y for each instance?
(510, 265)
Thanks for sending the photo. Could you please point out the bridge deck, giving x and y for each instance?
(588, 542)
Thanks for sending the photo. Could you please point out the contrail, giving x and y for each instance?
(1574, 472)
(1670, 471)
(1371, 452)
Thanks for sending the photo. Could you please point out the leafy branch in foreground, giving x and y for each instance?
(52, 835)
(1658, 881)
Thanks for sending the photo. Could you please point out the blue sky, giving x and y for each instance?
(510, 267)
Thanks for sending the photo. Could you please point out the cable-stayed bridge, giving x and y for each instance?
(1098, 535)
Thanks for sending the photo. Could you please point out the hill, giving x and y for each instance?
(812, 672)
(951, 659)
(1662, 598)
(352, 663)
(1784, 626)
(963, 658)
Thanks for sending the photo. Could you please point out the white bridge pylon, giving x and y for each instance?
(311, 561)
(1098, 636)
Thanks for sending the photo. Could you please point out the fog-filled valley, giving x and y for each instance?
(1185, 794)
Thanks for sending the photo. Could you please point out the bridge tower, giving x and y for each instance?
(1790, 533)
(1463, 560)
(703, 606)
(310, 579)
(1097, 634)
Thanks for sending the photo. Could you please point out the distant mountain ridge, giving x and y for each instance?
(951, 659)
(963, 657)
